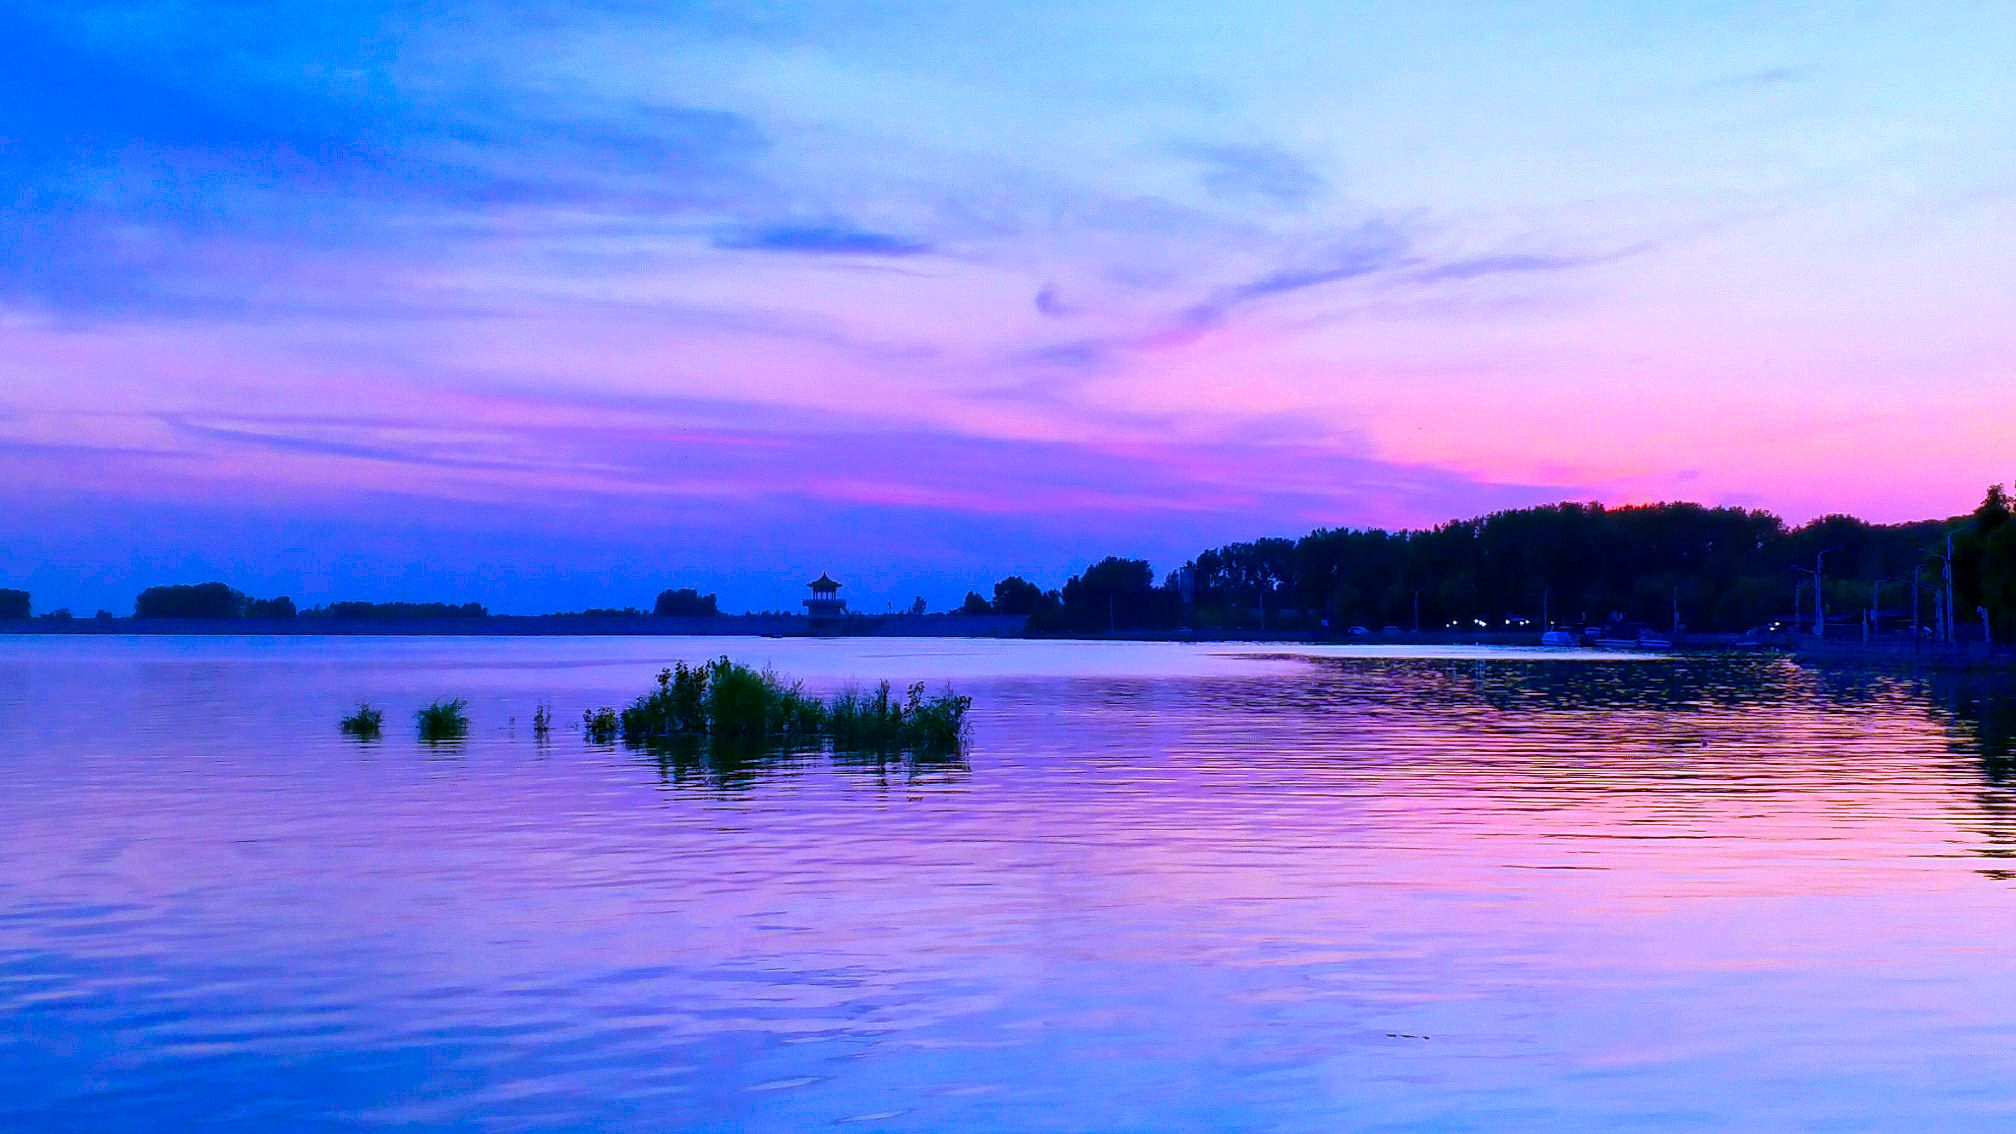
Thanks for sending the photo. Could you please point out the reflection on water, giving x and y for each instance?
(1982, 710)
(1166, 887)
(725, 765)
(1980, 713)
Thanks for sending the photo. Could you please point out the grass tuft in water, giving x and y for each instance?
(878, 720)
(728, 702)
(366, 723)
(599, 725)
(724, 700)
(445, 719)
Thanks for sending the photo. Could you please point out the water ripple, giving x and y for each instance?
(1168, 887)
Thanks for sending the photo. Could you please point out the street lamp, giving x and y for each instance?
(1819, 606)
(1875, 606)
(1946, 588)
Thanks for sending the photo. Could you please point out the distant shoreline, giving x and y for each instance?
(752, 625)
(546, 625)
(1886, 656)
(738, 625)
(1899, 657)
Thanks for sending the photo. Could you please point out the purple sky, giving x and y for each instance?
(553, 305)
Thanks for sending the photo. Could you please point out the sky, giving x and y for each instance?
(552, 305)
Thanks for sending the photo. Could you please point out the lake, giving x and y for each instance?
(1167, 887)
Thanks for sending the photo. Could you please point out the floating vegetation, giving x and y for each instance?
(726, 702)
(723, 700)
(445, 719)
(599, 725)
(879, 721)
(366, 723)
(730, 708)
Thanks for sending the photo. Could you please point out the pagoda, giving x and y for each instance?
(825, 601)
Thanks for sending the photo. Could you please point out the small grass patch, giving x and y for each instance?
(445, 719)
(600, 726)
(367, 723)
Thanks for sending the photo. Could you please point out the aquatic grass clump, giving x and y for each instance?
(678, 705)
(747, 705)
(934, 724)
(366, 723)
(727, 702)
(445, 719)
(879, 720)
(599, 726)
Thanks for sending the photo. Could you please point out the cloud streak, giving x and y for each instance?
(828, 239)
(1257, 173)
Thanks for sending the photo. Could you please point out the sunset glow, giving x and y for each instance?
(549, 305)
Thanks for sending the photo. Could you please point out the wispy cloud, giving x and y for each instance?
(1050, 301)
(827, 239)
(141, 166)
(1761, 78)
(1507, 264)
(1372, 247)
(676, 451)
(1256, 173)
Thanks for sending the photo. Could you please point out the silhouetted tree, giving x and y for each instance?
(1017, 595)
(1116, 594)
(975, 604)
(1728, 569)
(15, 604)
(685, 602)
(1984, 564)
(356, 611)
(202, 600)
(282, 607)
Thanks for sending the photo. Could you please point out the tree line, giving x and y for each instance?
(221, 601)
(1703, 569)
(1676, 565)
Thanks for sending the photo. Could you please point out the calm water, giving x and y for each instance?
(1168, 888)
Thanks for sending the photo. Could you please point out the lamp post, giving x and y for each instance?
(1917, 631)
(1948, 561)
(1944, 595)
(1819, 605)
(1872, 627)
